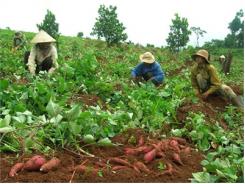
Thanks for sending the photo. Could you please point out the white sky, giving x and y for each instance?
(146, 21)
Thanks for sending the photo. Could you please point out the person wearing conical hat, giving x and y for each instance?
(43, 55)
(222, 59)
(18, 40)
(148, 70)
(205, 80)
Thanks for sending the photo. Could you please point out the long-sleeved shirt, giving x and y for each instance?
(208, 72)
(37, 56)
(155, 69)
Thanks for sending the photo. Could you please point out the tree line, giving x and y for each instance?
(108, 27)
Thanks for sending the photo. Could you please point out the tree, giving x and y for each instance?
(80, 34)
(49, 25)
(236, 26)
(199, 32)
(108, 26)
(179, 35)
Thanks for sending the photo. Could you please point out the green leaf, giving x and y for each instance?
(56, 119)
(164, 94)
(105, 142)
(6, 129)
(203, 177)
(5, 122)
(88, 139)
(75, 128)
(19, 118)
(74, 112)
(3, 85)
(53, 109)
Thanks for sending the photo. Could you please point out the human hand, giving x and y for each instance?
(204, 96)
(51, 70)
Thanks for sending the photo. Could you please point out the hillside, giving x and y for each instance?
(91, 95)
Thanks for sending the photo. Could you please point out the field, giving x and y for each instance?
(89, 112)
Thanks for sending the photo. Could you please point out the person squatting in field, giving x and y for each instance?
(149, 70)
(43, 55)
(205, 80)
(18, 41)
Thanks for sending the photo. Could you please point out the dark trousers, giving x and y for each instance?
(148, 76)
(44, 66)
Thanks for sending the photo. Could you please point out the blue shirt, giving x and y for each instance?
(155, 69)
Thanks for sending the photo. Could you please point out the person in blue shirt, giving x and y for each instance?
(148, 70)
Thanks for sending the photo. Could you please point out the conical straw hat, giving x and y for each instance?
(147, 58)
(42, 37)
(203, 53)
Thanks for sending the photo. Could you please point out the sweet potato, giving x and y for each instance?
(34, 163)
(16, 168)
(150, 156)
(118, 167)
(176, 159)
(174, 145)
(141, 141)
(187, 150)
(179, 140)
(81, 168)
(136, 168)
(142, 167)
(101, 164)
(50, 165)
(131, 151)
(120, 161)
(146, 149)
(160, 154)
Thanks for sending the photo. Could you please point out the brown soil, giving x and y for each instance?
(191, 164)
(118, 87)
(87, 99)
(210, 108)
(21, 81)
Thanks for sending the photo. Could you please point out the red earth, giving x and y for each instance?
(69, 159)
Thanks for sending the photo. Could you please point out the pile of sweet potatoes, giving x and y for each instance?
(145, 152)
(35, 163)
(149, 151)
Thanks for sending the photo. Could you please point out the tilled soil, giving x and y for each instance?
(69, 159)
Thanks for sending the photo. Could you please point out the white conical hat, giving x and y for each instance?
(42, 37)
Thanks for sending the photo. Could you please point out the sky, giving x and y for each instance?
(146, 21)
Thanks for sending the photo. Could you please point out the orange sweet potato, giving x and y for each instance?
(16, 168)
(34, 163)
(120, 161)
(176, 159)
(150, 155)
(50, 165)
(142, 167)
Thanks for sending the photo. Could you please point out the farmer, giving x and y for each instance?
(221, 59)
(205, 80)
(148, 70)
(43, 55)
(18, 40)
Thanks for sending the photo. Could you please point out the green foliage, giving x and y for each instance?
(179, 33)
(108, 26)
(80, 34)
(49, 25)
(236, 26)
(51, 111)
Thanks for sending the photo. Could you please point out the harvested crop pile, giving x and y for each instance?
(148, 159)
